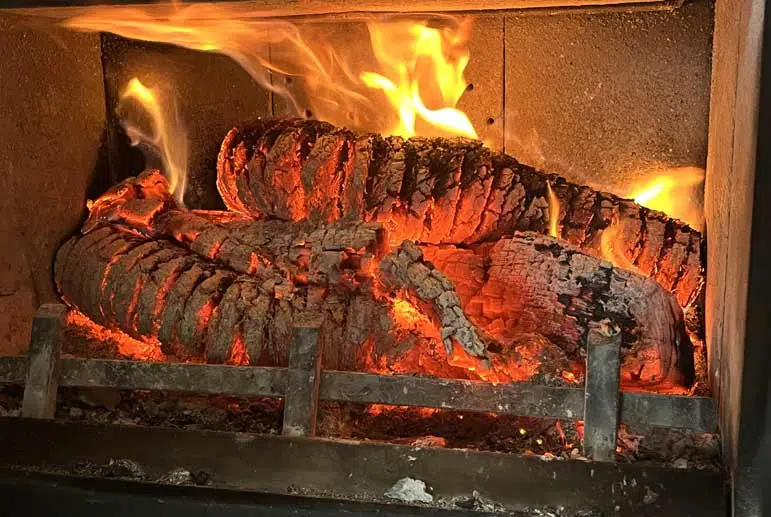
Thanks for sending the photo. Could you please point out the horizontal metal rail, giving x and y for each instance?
(302, 385)
(522, 399)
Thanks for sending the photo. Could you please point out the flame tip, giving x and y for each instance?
(421, 62)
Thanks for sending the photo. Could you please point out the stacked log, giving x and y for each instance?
(222, 288)
(442, 191)
(157, 290)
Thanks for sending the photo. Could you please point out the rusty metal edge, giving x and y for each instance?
(208, 379)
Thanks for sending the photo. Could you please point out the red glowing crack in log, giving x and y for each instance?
(222, 287)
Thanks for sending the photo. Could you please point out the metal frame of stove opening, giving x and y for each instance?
(302, 384)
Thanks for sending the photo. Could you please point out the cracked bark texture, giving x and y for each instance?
(159, 291)
(342, 254)
(532, 283)
(442, 191)
(226, 288)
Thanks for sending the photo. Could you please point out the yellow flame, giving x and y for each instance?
(167, 137)
(406, 313)
(419, 68)
(676, 192)
(554, 211)
(421, 65)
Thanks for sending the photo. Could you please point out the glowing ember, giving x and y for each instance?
(463, 359)
(146, 350)
(380, 409)
(239, 355)
(554, 211)
(406, 313)
(167, 137)
(570, 377)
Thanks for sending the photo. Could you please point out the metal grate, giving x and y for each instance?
(599, 403)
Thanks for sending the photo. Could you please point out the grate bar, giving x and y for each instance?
(601, 401)
(43, 372)
(303, 379)
(245, 381)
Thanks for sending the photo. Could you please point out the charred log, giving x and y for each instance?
(159, 292)
(341, 255)
(227, 288)
(533, 283)
(442, 191)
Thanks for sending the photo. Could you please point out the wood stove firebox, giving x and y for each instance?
(530, 284)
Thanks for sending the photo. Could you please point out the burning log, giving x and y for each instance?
(442, 191)
(226, 288)
(161, 292)
(532, 283)
(342, 254)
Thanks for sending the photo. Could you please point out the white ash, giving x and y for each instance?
(409, 490)
(178, 476)
(479, 503)
(680, 463)
(123, 468)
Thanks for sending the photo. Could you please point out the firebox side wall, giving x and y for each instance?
(52, 119)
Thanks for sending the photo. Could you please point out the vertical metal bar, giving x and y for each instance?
(43, 373)
(601, 404)
(303, 379)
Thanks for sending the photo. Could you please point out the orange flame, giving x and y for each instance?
(676, 192)
(554, 211)
(415, 60)
(419, 68)
(167, 138)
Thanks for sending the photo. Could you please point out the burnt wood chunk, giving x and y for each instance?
(201, 311)
(534, 284)
(412, 187)
(323, 177)
(358, 156)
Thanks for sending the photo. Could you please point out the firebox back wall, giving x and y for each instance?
(599, 96)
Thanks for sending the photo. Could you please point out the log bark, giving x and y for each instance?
(442, 191)
(344, 255)
(227, 288)
(193, 309)
(533, 283)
